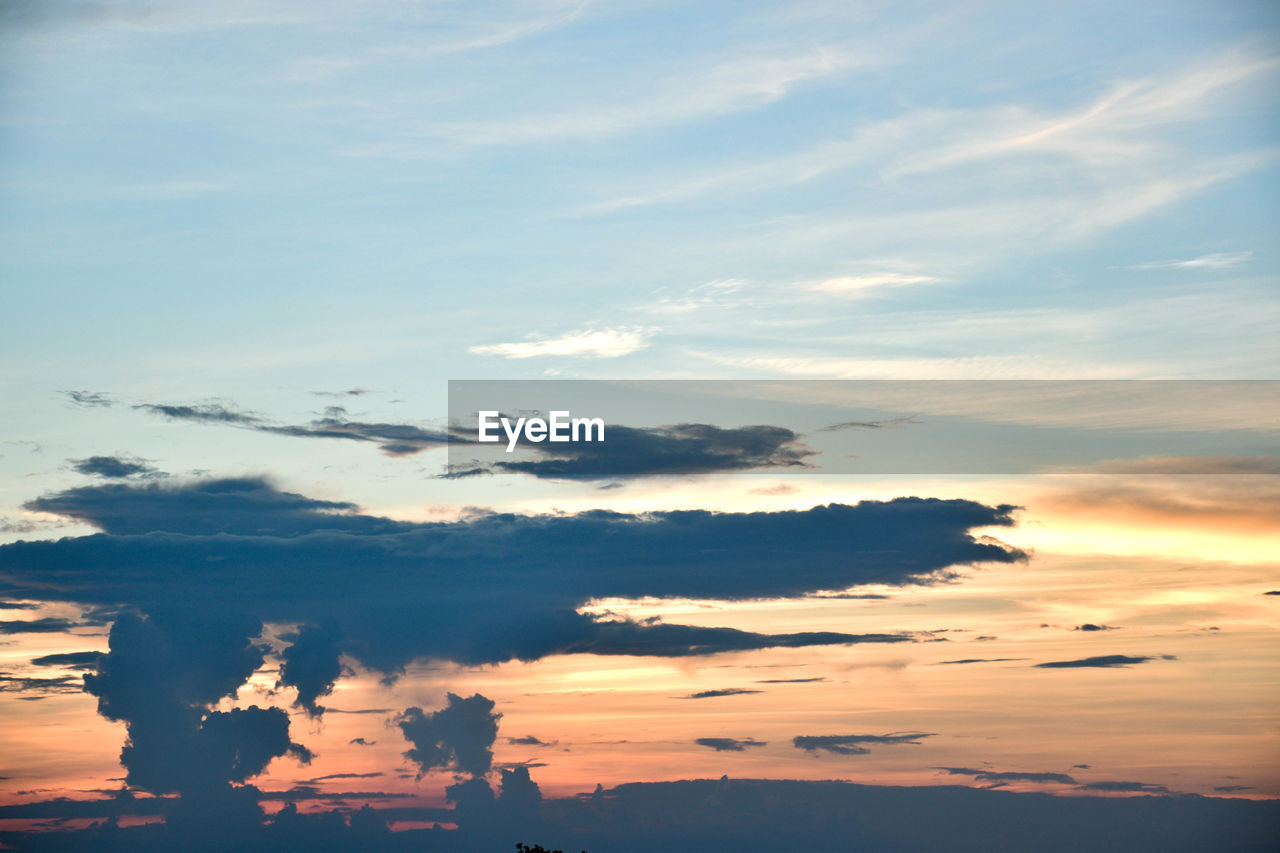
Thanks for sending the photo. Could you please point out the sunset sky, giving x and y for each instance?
(246, 536)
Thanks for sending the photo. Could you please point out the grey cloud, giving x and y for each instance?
(725, 691)
(1103, 661)
(87, 399)
(113, 467)
(728, 744)
(459, 736)
(1010, 776)
(681, 449)
(852, 744)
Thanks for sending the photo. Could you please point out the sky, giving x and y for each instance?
(935, 343)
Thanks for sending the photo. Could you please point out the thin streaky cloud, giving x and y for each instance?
(860, 285)
(726, 87)
(1215, 261)
(590, 343)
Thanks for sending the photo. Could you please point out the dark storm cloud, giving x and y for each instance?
(427, 589)
(459, 736)
(658, 451)
(1272, 592)
(724, 691)
(391, 439)
(113, 467)
(1009, 776)
(70, 660)
(87, 399)
(161, 677)
(852, 744)
(1089, 626)
(311, 665)
(729, 744)
(1103, 661)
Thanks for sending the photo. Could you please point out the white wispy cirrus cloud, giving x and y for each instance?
(857, 285)
(1216, 261)
(589, 343)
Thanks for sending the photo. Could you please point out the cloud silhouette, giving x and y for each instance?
(725, 691)
(1103, 661)
(852, 744)
(161, 677)
(728, 744)
(1009, 775)
(426, 589)
(459, 736)
(113, 467)
(311, 665)
(391, 439)
(681, 449)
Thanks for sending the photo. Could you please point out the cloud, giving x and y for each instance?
(791, 680)
(33, 684)
(529, 740)
(728, 744)
(426, 589)
(1089, 626)
(392, 439)
(113, 467)
(1103, 661)
(89, 399)
(887, 423)
(750, 815)
(162, 676)
(1010, 776)
(724, 691)
(70, 660)
(1125, 788)
(1217, 261)
(310, 664)
(591, 343)
(359, 741)
(43, 625)
(978, 660)
(851, 744)
(459, 736)
(682, 449)
(862, 285)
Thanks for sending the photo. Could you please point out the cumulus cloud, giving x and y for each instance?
(162, 676)
(458, 737)
(591, 343)
(311, 665)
